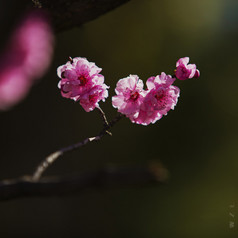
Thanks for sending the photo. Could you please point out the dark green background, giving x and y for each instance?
(197, 142)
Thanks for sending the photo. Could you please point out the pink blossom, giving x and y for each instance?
(90, 99)
(13, 87)
(26, 58)
(161, 97)
(130, 95)
(33, 43)
(145, 106)
(81, 81)
(186, 71)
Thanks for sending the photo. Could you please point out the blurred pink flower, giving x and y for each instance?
(13, 87)
(186, 71)
(130, 95)
(26, 58)
(81, 81)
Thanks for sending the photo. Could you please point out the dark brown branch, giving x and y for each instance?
(108, 178)
(54, 156)
(66, 14)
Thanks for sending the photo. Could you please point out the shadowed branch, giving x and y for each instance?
(50, 159)
(107, 178)
(66, 14)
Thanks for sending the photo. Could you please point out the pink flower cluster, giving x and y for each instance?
(26, 58)
(81, 81)
(148, 106)
(145, 106)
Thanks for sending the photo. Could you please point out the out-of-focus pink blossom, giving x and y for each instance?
(33, 43)
(81, 81)
(26, 58)
(13, 87)
(130, 95)
(186, 71)
(145, 106)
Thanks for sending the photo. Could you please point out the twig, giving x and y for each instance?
(108, 178)
(105, 122)
(54, 156)
(104, 119)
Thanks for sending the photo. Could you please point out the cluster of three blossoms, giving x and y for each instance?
(81, 81)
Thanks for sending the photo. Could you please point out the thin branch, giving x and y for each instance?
(103, 116)
(54, 156)
(108, 178)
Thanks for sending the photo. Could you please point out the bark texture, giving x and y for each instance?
(66, 14)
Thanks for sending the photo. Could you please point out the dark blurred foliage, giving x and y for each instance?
(197, 142)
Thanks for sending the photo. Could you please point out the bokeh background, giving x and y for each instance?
(197, 142)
